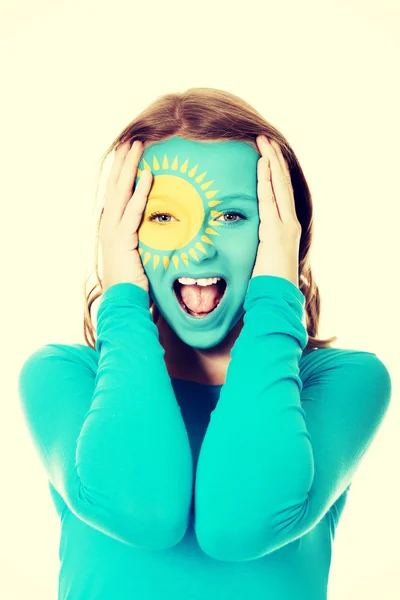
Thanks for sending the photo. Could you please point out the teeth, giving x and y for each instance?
(190, 281)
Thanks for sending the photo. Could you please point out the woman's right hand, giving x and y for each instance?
(121, 218)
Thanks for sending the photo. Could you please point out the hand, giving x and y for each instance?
(279, 231)
(123, 213)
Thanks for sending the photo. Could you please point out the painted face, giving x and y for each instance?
(201, 220)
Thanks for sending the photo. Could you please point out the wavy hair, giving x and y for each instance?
(208, 114)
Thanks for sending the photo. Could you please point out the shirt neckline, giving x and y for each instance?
(189, 382)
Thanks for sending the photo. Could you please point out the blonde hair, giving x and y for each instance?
(208, 114)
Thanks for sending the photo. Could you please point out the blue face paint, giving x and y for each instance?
(188, 229)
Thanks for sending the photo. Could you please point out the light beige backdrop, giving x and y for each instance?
(73, 75)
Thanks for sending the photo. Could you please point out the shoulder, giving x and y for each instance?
(326, 357)
(346, 365)
(51, 355)
(52, 373)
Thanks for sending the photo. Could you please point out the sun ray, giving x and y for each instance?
(156, 260)
(207, 184)
(146, 165)
(211, 231)
(165, 262)
(183, 168)
(185, 258)
(200, 178)
(207, 240)
(200, 247)
(192, 171)
(216, 213)
(193, 254)
(212, 193)
(147, 257)
(175, 260)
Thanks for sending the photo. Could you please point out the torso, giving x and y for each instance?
(214, 378)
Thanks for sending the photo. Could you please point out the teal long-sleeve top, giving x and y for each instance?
(172, 489)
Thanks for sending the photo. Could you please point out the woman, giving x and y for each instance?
(204, 444)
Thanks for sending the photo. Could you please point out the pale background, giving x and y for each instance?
(73, 75)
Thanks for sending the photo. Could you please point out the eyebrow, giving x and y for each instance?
(234, 197)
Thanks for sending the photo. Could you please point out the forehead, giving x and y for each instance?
(231, 165)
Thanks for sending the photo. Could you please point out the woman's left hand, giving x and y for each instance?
(279, 231)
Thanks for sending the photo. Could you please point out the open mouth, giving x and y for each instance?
(219, 290)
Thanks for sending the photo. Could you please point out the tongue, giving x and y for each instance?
(200, 299)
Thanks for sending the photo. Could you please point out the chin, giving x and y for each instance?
(200, 341)
(205, 345)
(212, 339)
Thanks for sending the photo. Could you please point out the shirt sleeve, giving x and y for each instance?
(280, 448)
(111, 435)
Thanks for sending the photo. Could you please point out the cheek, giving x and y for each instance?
(241, 249)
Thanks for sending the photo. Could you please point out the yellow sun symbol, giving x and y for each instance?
(186, 204)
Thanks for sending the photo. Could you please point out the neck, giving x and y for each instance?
(204, 366)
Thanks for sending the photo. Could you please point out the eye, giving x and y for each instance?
(238, 214)
(158, 213)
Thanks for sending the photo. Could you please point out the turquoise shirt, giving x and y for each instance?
(171, 489)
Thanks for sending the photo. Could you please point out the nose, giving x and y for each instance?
(211, 252)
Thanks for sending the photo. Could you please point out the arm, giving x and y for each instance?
(278, 453)
(113, 442)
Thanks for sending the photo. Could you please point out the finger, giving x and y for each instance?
(267, 205)
(281, 159)
(119, 190)
(119, 158)
(136, 206)
(281, 183)
(129, 168)
(284, 182)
